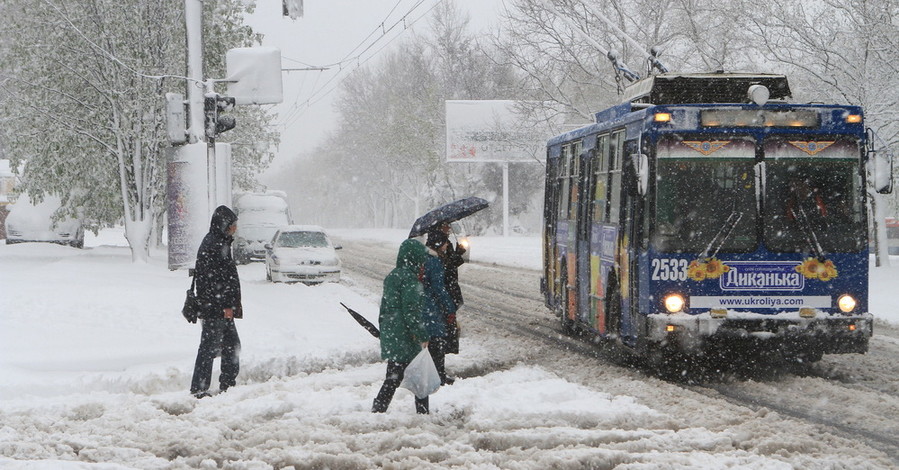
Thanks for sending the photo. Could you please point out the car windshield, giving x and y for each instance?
(302, 239)
(256, 233)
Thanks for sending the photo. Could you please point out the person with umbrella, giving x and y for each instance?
(452, 259)
(402, 334)
(437, 221)
(439, 305)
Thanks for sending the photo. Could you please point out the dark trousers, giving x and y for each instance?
(219, 337)
(395, 372)
(437, 349)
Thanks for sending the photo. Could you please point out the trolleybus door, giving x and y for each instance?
(574, 155)
(562, 228)
(585, 222)
(550, 227)
(616, 274)
(631, 222)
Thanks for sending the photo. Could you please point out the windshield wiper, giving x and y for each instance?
(732, 220)
(810, 236)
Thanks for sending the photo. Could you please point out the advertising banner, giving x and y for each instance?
(493, 131)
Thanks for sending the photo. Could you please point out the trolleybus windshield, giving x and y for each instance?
(813, 195)
(705, 194)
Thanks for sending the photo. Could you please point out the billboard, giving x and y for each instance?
(493, 131)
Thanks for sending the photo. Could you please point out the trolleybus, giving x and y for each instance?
(707, 214)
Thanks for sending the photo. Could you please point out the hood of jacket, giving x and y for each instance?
(412, 254)
(222, 218)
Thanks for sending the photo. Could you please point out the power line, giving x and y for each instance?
(345, 64)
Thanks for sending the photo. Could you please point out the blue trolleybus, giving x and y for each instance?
(707, 214)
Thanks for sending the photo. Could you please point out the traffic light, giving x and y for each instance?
(216, 122)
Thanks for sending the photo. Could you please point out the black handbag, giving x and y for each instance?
(191, 309)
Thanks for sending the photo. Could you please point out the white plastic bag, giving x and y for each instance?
(421, 377)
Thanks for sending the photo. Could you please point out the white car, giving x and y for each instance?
(302, 253)
(29, 222)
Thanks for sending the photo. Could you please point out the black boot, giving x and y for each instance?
(421, 405)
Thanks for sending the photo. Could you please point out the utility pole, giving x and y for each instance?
(193, 17)
(196, 93)
(191, 192)
(199, 169)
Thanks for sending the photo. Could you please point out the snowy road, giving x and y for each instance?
(95, 361)
(844, 401)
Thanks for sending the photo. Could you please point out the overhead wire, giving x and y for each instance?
(316, 95)
(295, 108)
(346, 64)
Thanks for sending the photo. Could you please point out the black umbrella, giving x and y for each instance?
(369, 326)
(447, 213)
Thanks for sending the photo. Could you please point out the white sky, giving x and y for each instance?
(328, 33)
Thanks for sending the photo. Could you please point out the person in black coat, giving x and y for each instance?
(218, 291)
(452, 258)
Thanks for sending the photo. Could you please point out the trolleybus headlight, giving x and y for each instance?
(846, 303)
(674, 303)
(853, 119)
(663, 117)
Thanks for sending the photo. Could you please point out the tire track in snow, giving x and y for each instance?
(512, 308)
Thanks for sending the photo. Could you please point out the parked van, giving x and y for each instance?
(259, 216)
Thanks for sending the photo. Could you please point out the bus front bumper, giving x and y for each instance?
(827, 334)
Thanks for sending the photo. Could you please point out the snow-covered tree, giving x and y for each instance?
(83, 84)
(840, 52)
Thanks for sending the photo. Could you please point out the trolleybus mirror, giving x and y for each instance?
(641, 170)
(881, 164)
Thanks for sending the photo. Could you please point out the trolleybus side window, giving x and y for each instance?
(705, 194)
(565, 182)
(574, 152)
(552, 191)
(600, 198)
(616, 148)
(813, 195)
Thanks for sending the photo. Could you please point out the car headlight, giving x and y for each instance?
(846, 303)
(674, 303)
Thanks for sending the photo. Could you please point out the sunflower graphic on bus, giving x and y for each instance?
(820, 269)
(811, 268)
(710, 268)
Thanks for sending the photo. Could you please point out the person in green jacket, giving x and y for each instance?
(403, 335)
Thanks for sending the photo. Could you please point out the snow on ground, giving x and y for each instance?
(95, 361)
